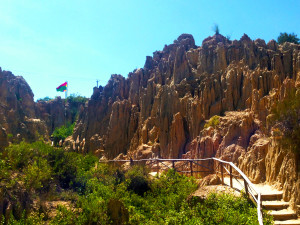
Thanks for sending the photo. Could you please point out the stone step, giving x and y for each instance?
(272, 196)
(287, 222)
(275, 205)
(283, 214)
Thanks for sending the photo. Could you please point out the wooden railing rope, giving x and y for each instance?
(249, 188)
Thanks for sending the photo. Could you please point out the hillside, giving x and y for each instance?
(163, 106)
(161, 110)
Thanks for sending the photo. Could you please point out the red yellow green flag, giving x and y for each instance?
(62, 87)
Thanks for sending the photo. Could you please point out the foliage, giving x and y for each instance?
(91, 185)
(216, 29)
(284, 37)
(228, 209)
(37, 175)
(45, 99)
(139, 181)
(32, 219)
(76, 98)
(213, 122)
(61, 133)
(285, 121)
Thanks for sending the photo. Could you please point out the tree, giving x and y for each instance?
(284, 37)
(216, 29)
(45, 99)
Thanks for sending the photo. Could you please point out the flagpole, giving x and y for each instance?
(66, 92)
(66, 95)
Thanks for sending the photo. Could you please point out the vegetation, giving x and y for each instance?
(284, 37)
(216, 29)
(95, 193)
(213, 122)
(72, 98)
(76, 98)
(61, 133)
(45, 99)
(284, 121)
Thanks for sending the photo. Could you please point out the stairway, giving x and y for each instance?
(271, 201)
(279, 209)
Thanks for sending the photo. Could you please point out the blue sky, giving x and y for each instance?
(80, 41)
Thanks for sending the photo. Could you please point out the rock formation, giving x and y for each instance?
(58, 112)
(164, 105)
(160, 110)
(22, 118)
(18, 118)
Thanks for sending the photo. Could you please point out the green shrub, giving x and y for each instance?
(32, 219)
(284, 37)
(45, 99)
(76, 98)
(285, 121)
(216, 29)
(212, 122)
(93, 187)
(38, 175)
(61, 133)
(138, 180)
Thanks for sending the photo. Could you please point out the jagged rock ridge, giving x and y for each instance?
(163, 106)
(159, 110)
(22, 118)
(18, 117)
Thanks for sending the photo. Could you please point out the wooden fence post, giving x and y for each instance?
(222, 173)
(230, 170)
(191, 167)
(157, 167)
(246, 187)
(131, 161)
(173, 164)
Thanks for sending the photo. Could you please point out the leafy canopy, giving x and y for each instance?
(285, 121)
(216, 29)
(285, 37)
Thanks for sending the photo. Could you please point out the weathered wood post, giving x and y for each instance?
(191, 167)
(246, 187)
(222, 173)
(157, 161)
(230, 171)
(131, 161)
(173, 164)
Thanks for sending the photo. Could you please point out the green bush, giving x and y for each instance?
(61, 133)
(45, 99)
(285, 121)
(138, 180)
(284, 37)
(92, 186)
(213, 122)
(76, 98)
(216, 29)
(38, 175)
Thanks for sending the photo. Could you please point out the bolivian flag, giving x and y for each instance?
(62, 87)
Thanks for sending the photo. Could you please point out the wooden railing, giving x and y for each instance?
(250, 190)
(208, 166)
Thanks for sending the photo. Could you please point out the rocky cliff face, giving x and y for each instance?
(160, 110)
(241, 138)
(22, 118)
(164, 105)
(58, 112)
(18, 118)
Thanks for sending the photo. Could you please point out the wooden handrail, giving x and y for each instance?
(247, 183)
